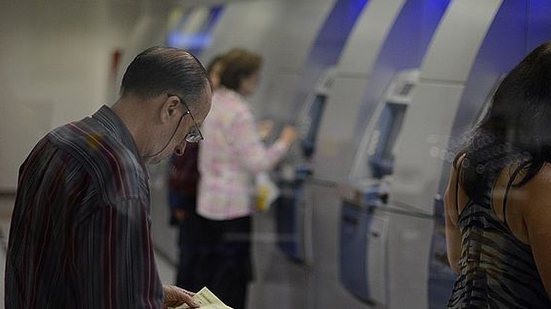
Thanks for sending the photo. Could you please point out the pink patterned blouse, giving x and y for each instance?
(231, 154)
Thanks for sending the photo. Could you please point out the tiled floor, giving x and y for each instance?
(279, 282)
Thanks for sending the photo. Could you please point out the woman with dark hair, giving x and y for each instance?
(498, 200)
(230, 156)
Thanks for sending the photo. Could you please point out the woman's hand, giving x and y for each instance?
(265, 128)
(288, 135)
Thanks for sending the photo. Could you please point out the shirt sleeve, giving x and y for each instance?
(252, 153)
(121, 246)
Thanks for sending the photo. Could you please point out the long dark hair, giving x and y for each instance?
(516, 130)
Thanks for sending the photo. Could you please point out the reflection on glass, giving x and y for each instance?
(308, 127)
(382, 145)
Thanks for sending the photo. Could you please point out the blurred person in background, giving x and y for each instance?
(231, 155)
(80, 230)
(183, 179)
(497, 203)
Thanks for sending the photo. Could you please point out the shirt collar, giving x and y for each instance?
(107, 117)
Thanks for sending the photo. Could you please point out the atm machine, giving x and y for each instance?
(380, 46)
(377, 55)
(293, 209)
(446, 100)
(363, 216)
(388, 237)
(293, 212)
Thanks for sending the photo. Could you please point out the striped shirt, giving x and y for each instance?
(496, 269)
(231, 154)
(80, 230)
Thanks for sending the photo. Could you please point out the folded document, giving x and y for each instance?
(207, 300)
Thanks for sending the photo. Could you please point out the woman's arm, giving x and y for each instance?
(252, 153)
(453, 235)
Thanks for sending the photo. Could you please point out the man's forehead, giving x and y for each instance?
(205, 104)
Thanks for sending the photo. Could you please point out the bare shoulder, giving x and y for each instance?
(540, 185)
(454, 168)
(535, 199)
(452, 198)
(544, 175)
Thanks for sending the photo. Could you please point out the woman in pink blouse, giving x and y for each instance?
(230, 156)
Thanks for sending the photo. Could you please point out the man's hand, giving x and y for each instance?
(175, 296)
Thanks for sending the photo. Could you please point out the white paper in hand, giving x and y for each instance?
(207, 300)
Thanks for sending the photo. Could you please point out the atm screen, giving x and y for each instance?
(383, 141)
(310, 124)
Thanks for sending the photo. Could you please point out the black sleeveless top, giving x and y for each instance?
(496, 269)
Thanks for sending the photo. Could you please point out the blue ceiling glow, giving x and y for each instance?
(196, 42)
(539, 5)
(539, 23)
(355, 7)
(188, 41)
(436, 5)
(214, 16)
(329, 43)
(335, 31)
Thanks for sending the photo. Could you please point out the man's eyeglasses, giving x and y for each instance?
(194, 135)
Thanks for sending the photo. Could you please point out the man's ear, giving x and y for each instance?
(169, 108)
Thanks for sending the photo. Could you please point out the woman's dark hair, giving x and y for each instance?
(516, 130)
(237, 65)
(159, 70)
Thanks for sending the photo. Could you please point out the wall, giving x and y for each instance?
(54, 66)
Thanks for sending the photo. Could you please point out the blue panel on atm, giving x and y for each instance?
(290, 205)
(288, 214)
(355, 223)
(311, 126)
(381, 160)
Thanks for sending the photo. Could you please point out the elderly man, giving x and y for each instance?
(80, 231)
